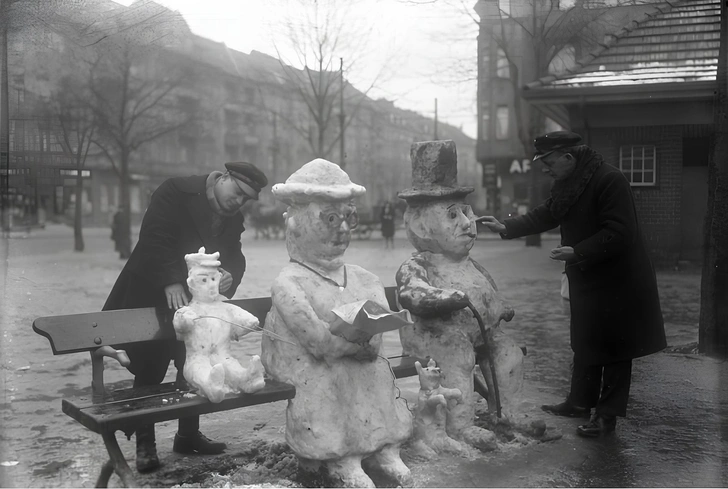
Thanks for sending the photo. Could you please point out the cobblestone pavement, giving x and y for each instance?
(674, 435)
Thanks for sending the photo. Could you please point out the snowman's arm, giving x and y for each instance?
(419, 296)
(310, 332)
(244, 321)
(184, 320)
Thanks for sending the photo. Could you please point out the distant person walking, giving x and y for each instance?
(386, 218)
(117, 236)
(615, 307)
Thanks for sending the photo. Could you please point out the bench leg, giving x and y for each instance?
(105, 475)
(117, 462)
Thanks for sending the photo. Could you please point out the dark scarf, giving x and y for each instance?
(565, 193)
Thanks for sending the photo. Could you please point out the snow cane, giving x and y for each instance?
(489, 352)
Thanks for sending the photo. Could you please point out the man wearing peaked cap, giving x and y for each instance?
(185, 214)
(250, 179)
(613, 296)
(548, 143)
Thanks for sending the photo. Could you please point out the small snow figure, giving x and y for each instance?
(207, 325)
(430, 437)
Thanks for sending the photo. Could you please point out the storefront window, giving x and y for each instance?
(501, 122)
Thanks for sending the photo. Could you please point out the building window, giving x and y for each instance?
(485, 61)
(503, 68)
(501, 122)
(505, 6)
(638, 163)
(485, 124)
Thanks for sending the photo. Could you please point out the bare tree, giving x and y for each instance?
(76, 126)
(713, 328)
(325, 44)
(134, 92)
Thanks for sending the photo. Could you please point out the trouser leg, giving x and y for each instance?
(616, 382)
(186, 426)
(585, 384)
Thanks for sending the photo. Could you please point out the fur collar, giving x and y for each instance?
(565, 193)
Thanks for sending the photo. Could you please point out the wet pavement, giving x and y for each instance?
(674, 436)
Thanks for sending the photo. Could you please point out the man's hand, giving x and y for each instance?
(492, 223)
(225, 281)
(176, 296)
(562, 253)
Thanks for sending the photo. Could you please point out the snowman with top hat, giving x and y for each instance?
(455, 304)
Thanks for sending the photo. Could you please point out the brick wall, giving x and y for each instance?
(658, 207)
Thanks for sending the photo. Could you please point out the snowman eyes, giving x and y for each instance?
(453, 210)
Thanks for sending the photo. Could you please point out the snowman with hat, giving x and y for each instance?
(455, 304)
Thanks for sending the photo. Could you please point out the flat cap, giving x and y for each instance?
(548, 143)
(249, 175)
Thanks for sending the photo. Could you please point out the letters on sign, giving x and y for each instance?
(523, 166)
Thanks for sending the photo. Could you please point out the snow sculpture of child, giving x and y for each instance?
(440, 281)
(346, 406)
(207, 325)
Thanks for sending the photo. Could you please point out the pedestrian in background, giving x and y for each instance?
(184, 215)
(386, 218)
(117, 223)
(614, 303)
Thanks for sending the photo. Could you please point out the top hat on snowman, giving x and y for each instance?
(434, 173)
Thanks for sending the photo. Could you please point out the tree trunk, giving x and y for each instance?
(125, 205)
(713, 329)
(78, 244)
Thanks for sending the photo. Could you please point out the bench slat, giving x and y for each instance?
(84, 332)
(128, 410)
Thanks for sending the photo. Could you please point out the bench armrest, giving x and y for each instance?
(97, 366)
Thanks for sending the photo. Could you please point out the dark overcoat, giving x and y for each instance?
(178, 221)
(615, 307)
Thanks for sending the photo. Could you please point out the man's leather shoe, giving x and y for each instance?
(197, 443)
(597, 426)
(567, 409)
(147, 459)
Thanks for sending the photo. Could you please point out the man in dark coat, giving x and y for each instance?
(615, 307)
(184, 214)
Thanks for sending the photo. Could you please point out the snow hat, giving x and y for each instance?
(201, 259)
(434, 172)
(317, 180)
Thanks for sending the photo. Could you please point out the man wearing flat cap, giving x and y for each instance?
(615, 307)
(185, 214)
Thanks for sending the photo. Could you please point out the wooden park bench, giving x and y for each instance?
(107, 411)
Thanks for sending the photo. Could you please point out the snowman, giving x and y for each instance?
(207, 326)
(347, 409)
(448, 293)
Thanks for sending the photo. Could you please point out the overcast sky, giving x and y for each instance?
(418, 44)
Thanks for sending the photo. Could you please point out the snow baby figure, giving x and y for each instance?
(207, 325)
(440, 284)
(346, 406)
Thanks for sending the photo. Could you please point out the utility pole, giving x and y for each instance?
(4, 115)
(435, 119)
(342, 155)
